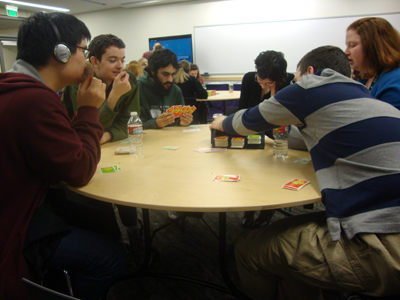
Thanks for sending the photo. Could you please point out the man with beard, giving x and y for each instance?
(158, 92)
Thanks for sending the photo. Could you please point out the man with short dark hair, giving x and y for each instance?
(158, 92)
(42, 145)
(107, 56)
(354, 142)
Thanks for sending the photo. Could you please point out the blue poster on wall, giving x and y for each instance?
(181, 45)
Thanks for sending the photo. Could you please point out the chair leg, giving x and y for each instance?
(68, 279)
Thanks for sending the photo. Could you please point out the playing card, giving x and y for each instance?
(110, 169)
(295, 184)
(122, 150)
(231, 178)
(185, 109)
(177, 110)
(302, 161)
(209, 150)
(192, 109)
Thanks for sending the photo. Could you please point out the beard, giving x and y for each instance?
(162, 89)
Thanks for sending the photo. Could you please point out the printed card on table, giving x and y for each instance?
(229, 178)
(295, 184)
(123, 150)
(191, 130)
(210, 150)
(110, 169)
(302, 161)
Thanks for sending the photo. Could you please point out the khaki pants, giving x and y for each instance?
(294, 258)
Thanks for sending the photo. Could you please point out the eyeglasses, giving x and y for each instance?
(85, 51)
(268, 84)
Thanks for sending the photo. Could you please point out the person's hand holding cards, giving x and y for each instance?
(183, 112)
(165, 119)
(186, 119)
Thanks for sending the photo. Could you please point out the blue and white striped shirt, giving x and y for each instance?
(354, 142)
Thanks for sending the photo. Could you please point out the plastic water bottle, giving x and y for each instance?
(280, 148)
(230, 87)
(135, 134)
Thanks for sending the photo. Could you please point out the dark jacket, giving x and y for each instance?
(150, 101)
(192, 90)
(251, 91)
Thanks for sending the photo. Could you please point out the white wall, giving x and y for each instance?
(10, 54)
(134, 26)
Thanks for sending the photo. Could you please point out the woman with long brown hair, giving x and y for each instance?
(373, 49)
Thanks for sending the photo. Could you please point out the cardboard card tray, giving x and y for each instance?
(215, 133)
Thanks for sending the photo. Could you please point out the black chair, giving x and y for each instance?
(58, 279)
(231, 110)
(38, 292)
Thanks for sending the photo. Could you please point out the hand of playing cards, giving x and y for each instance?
(179, 110)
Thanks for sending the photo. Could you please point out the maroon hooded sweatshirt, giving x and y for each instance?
(39, 144)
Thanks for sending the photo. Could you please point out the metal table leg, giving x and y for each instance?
(222, 259)
(231, 289)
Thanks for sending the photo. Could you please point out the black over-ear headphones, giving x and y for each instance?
(61, 50)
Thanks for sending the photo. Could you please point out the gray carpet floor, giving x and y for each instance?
(192, 252)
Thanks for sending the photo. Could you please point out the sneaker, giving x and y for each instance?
(264, 218)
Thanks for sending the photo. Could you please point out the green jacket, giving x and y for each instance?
(152, 105)
(114, 121)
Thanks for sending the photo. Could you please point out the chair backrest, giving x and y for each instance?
(38, 292)
(231, 110)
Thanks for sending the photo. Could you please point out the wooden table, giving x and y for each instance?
(223, 96)
(182, 180)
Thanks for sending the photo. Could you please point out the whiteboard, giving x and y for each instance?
(232, 49)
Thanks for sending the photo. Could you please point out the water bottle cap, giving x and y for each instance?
(134, 113)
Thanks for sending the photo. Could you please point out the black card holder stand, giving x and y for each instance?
(215, 133)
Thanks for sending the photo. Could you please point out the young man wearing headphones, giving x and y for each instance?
(42, 145)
